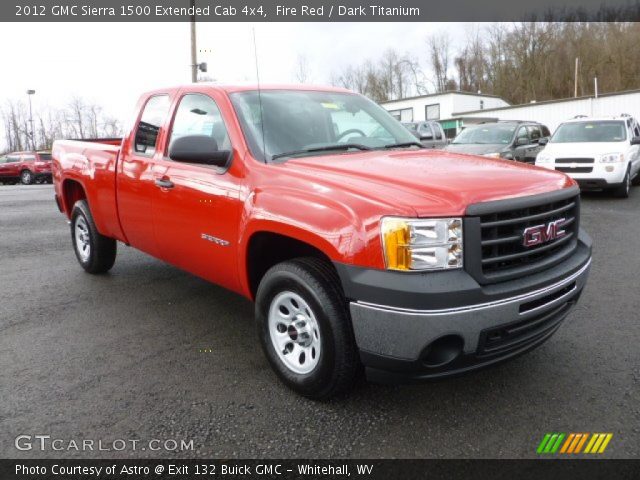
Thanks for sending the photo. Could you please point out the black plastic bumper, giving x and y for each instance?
(399, 318)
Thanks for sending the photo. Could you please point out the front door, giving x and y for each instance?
(197, 212)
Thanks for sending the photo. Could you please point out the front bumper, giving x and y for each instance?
(400, 319)
(598, 178)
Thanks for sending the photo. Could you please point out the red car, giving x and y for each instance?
(26, 167)
(359, 247)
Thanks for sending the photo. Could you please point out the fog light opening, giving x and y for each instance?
(442, 351)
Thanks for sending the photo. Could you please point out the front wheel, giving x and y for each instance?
(95, 252)
(305, 329)
(26, 177)
(623, 190)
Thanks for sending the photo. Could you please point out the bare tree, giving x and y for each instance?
(390, 77)
(302, 72)
(79, 119)
(439, 50)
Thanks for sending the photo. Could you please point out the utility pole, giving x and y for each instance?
(575, 80)
(33, 140)
(194, 58)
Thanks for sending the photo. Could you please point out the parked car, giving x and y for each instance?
(430, 133)
(599, 153)
(357, 245)
(26, 167)
(513, 140)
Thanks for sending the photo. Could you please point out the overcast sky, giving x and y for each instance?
(112, 63)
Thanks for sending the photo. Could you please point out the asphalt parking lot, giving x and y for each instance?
(149, 352)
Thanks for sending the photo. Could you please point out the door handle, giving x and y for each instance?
(164, 183)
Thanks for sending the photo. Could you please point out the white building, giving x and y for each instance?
(441, 107)
(553, 112)
(455, 110)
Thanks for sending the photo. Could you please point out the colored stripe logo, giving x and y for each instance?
(574, 443)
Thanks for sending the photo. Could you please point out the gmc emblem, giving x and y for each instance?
(540, 234)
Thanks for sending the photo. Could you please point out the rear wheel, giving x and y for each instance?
(95, 252)
(26, 177)
(623, 190)
(305, 329)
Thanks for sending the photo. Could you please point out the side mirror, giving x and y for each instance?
(543, 140)
(520, 141)
(635, 141)
(198, 149)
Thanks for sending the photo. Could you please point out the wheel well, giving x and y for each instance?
(72, 191)
(267, 249)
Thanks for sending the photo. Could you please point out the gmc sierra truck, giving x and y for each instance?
(361, 250)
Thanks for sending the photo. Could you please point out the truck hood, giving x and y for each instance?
(476, 149)
(587, 150)
(424, 183)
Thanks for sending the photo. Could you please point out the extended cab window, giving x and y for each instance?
(198, 114)
(153, 117)
(28, 158)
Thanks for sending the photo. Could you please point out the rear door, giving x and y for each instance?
(13, 166)
(136, 183)
(196, 208)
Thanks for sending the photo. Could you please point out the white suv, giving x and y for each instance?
(599, 153)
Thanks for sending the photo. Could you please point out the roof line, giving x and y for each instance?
(459, 92)
(546, 102)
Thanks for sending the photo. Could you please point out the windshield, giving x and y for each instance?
(296, 120)
(496, 133)
(580, 132)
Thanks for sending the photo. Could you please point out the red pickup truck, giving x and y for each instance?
(25, 167)
(359, 247)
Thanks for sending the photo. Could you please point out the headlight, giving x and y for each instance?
(422, 244)
(612, 158)
(542, 158)
(492, 155)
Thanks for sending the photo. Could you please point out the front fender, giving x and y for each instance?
(325, 224)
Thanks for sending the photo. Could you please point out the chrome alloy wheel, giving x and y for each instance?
(294, 332)
(81, 232)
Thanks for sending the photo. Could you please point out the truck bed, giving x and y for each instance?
(94, 161)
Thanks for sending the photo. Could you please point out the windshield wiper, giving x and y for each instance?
(404, 144)
(327, 148)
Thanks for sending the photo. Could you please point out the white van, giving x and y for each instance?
(599, 153)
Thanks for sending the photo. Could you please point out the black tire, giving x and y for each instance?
(623, 190)
(316, 282)
(26, 177)
(636, 179)
(101, 253)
